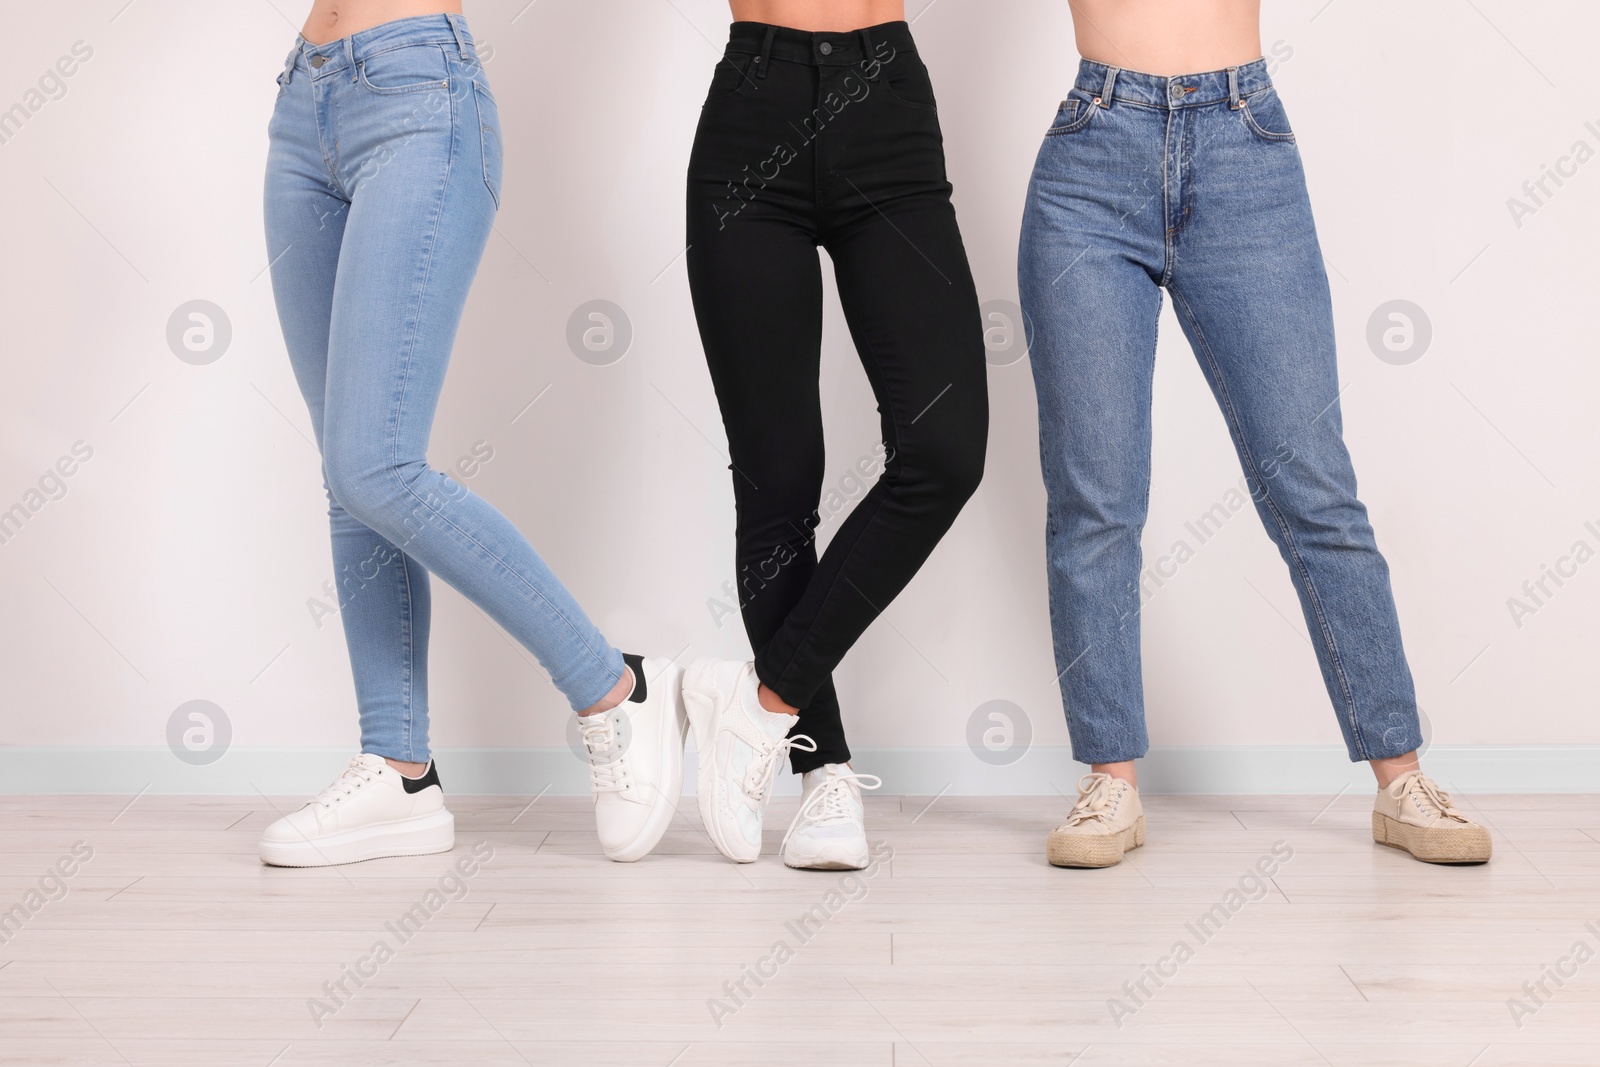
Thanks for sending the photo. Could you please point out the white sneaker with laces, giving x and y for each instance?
(1105, 822)
(829, 831)
(370, 810)
(636, 760)
(740, 745)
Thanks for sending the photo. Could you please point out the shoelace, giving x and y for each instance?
(1094, 799)
(1428, 795)
(829, 802)
(599, 733)
(353, 777)
(765, 766)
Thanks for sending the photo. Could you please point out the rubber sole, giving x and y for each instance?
(665, 805)
(1466, 845)
(423, 835)
(1093, 850)
(705, 701)
(832, 859)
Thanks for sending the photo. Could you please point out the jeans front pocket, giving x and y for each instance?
(412, 68)
(1264, 115)
(1073, 116)
(905, 78)
(731, 76)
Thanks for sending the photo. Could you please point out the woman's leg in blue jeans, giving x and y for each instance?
(1093, 358)
(370, 291)
(1252, 297)
(1088, 270)
(382, 594)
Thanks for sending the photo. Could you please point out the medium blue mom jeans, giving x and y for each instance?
(1192, 185)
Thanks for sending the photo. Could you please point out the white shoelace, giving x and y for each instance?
(1431, 799)
(353, 777)
(830, 802)
(599, 733)
(1094, 800)
(758, 779)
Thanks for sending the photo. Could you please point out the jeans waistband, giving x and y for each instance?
(322, 60)
(1113, 84)
(841, 48)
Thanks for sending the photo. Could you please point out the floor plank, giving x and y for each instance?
(172, 944)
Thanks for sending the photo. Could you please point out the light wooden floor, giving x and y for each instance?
(175, 946)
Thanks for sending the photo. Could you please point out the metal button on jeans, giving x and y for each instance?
(825, 48)
(317, 61)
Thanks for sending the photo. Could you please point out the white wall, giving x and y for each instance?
(180, 560)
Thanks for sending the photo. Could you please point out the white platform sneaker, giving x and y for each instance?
(740, 746)
(370, 810)
(829, 831)
(636, 760)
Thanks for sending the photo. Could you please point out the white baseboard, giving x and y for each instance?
(1250, 769)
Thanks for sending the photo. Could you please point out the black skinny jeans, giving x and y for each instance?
(831, 140)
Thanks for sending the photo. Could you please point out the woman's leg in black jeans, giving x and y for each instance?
(908, 296)
(858, 168)
(912, 310)
(757, 290)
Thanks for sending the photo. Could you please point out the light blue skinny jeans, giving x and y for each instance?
(383, 178)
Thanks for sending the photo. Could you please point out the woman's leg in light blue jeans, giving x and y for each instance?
(382, 594)
(374, 256)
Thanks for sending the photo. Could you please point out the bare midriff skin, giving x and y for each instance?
(1168, 37)
(332, 19)
(819, 16)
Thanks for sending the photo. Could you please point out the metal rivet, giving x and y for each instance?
(1097, 101)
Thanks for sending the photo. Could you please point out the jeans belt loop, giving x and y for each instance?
(350, 57)
(456, 27)
(764, 60)
(1104, 99)
(1233, 88)
(294, 57)
(866, 48)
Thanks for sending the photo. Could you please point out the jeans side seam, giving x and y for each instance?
(1149, 398)
(397, 413)
(408, 636)
(413, 324)
(1336, 662)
